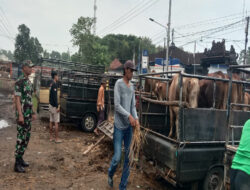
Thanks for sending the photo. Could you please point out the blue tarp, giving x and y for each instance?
(219, 66)
(144, 70)
(160, 61)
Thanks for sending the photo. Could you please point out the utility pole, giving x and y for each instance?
(194, 55)
(168, 34)
(94, 27)
(163, 50)
(246, 40)
(172, 37)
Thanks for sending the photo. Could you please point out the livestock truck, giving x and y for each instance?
(79, 91)
(195, 156)
(232, 145)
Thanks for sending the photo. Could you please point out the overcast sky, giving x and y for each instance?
(51, 20)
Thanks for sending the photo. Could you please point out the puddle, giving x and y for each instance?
(3, 124)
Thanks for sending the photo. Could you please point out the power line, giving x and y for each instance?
(132, 16)
(4, 26)
(123, 16)
(160, 34)
(7, 20)
(212, 29)
(218, 19)
(207, 37)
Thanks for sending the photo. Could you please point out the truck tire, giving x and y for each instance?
(88, 123)
(214, 179)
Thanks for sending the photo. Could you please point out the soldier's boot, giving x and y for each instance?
(23, 163)
(18, 166)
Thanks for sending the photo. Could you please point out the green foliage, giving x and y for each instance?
(35, 49)
(241, 57)
(90, 50)
(76, 57)
(8, 54)
(55, 55)
(101, 51)
(26, 47)
(46, 54)
(65, 56)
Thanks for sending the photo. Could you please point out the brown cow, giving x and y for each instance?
(150, 83)
(190, 94)
(246, 101)
(207, 91)
(161, 90)
(237, 92)
(221, 91)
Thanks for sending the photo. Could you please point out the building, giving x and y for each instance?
(211, 60)
(115, 67)
(179, 60)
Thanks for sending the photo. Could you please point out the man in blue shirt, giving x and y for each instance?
(125, 118)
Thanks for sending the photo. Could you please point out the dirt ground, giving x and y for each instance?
(61, 166)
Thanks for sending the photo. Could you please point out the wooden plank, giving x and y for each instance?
(92, 146)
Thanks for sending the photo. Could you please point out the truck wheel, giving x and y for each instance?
(214, 179)
(88, 123)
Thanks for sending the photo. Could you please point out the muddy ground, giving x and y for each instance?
(62, 166)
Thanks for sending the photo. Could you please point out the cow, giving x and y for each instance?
(161, 90)
(237, 95)
(246, 101)
(207, 92)
(150, 83)
(190, 92)
(221, 91)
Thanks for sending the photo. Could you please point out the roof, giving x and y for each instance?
(186, 58)
(115, 65)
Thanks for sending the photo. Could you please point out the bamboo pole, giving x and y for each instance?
(165, 103)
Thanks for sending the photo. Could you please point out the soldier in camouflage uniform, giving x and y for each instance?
(24, 113)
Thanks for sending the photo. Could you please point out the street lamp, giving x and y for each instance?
(167, 49)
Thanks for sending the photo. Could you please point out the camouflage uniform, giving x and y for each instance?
(23, 89)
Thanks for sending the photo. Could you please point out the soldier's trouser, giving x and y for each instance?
(23, 137)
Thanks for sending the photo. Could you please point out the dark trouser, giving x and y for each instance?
(239, 180)
(23, 137)
(120, 136)
(101, 117)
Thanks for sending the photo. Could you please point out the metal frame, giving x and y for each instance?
(181, 106)
(240, 68)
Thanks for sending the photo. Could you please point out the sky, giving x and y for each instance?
(193, 20)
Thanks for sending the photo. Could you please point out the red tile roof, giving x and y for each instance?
(115, 64)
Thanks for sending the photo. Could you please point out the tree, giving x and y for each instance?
(91, 51)
(241, 57)
(22, 44)
(8, 54)
(35, 49)
(65, 56)
(55, 55)
(26, 47)
(101, 55)
(76, 57)
(46, 54)
(126, 47)
(96, 50)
